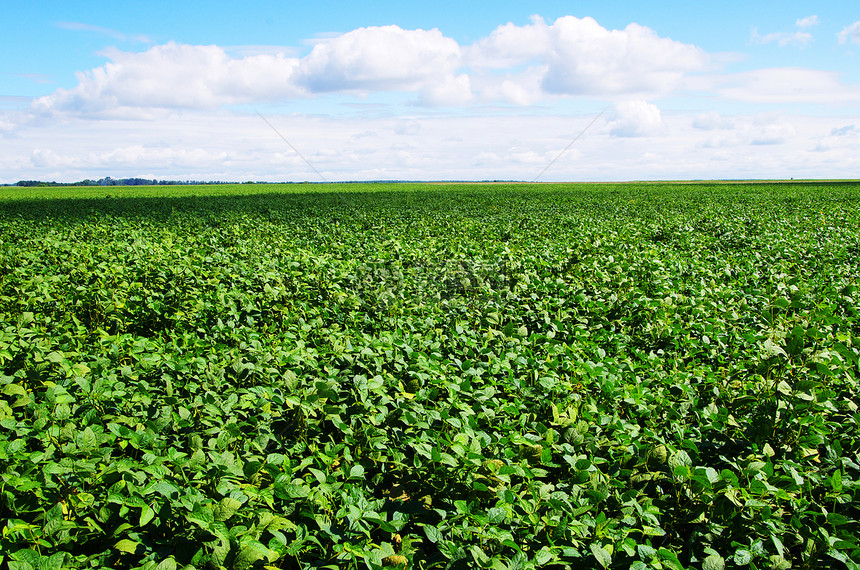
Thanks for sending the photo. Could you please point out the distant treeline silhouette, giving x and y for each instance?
(108, 181)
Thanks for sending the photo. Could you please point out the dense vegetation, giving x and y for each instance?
(500, 376)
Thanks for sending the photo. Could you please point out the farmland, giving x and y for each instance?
(431, 376)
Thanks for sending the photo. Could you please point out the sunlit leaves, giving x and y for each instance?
(500, 376)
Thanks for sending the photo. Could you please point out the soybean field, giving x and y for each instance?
(505, 376)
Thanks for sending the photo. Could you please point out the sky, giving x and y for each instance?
(546, 90)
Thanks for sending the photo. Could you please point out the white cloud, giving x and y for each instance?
(175, 76)
(6, 126)
(407, 127)
(236, 146)
(450, 91)
(126, 157)
(636, 119)
(840, 139)
(787, 85)
(807, 22)
(850, 34)
(259, 49)
(511, 46)
(379, 58)
(760, 130)
(847, 130)
(518, 94)
(588, 59)
(712, 120)
(349, 106)
(782, 39)
(517, 88)
(773, 134)
(722, 141)
(578, 56)
(572, 56)
(114, 34)
(46, 158)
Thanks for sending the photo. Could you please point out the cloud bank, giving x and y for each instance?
(515, 64)
(395, 103)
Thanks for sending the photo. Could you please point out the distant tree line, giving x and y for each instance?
(108, 181)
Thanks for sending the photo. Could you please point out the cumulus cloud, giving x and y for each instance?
(511, 46)
(636, 119)
(515, 64)
(589, 59)
(175, 76)
(517, 88)
(449, 91)
(850, 34)
(807, 22)
(578, 56)
(379, 58)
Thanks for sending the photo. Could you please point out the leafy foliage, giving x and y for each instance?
(500, 376)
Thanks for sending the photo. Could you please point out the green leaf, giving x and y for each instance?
(714, 562)
(646, 552)
(251, 553)
(836, 481)
(432, 533)
(55, 357)
(86, 440)
(167, 564)
(202, 516)
(126, 545)
(601, 555)
(356, 472)
(543, 556)
(479, 556)
(13, 390)
(226, 508)
(163, 488)
(146, 515)
(220, 552)
(56, 561)
(842, 557)
(773, 349)
(743, 556)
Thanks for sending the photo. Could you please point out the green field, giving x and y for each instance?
(432, 376)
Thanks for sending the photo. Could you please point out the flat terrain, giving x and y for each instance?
(501, 376)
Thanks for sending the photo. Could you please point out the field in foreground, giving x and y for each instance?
(313, 376)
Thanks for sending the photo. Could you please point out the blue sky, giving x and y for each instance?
(423, 91)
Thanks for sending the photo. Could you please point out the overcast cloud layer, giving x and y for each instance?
(392, 103)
